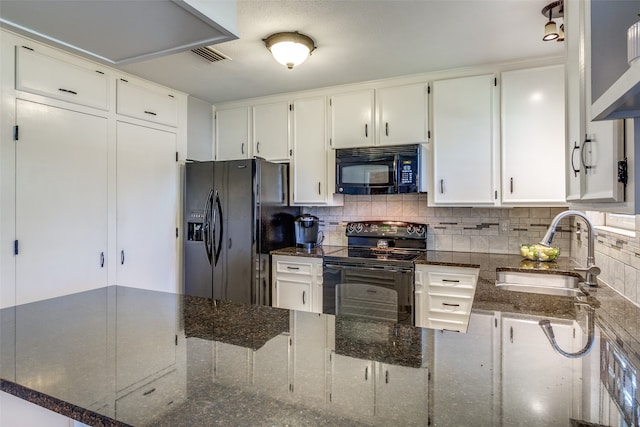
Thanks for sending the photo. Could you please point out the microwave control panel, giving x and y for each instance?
(407, 171)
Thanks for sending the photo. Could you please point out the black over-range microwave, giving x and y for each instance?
(382, 170)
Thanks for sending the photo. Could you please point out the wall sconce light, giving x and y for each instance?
(555, 9)
(290, 48)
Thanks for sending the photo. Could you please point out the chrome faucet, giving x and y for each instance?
(591, 271)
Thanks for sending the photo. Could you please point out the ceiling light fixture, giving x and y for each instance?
(290, 48)
(555, 9)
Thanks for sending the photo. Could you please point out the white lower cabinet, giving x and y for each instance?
(467, 370)
(297, 283)
(147, 196)
(61, 170)
(444, 296)
(526, 353)
(389, 394)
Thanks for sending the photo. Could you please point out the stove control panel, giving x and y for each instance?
(386, 229)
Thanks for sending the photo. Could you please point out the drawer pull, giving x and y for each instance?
(293, 268)
(72, 92)
(151, 113)
(450, 305)
(148, 392)
(451, 281)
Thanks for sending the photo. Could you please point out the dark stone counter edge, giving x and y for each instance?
(448, 264)
(59, 406)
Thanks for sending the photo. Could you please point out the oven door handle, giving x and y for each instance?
(370, 268)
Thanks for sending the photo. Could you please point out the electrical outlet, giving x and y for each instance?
(504, 227)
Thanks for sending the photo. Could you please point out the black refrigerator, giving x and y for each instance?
(237, 211)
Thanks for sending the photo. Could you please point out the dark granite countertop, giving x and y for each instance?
(317, 252)
(123, 356)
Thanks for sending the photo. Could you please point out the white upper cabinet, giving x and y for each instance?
(533, 136)
(155, 104)
(594, 149)
(464, 148)
(310, 166)
(352, 119)
(271, 131)
(401, 114)
(232, 134)
(48, 76)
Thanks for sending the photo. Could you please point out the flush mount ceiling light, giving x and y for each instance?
(555, 9)
(290, 48)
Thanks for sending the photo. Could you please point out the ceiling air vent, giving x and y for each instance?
(209, 54)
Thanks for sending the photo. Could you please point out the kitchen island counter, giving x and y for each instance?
(123, 356)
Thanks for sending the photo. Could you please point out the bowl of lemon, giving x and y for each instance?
(539, 252)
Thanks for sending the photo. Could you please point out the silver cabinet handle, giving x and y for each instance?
(319, 192)
(148, 392)
(366, 130)
(293, 268)
(122, 257)
(447, 304)
(386, 128)
(573, 150)
(386, 376)
(584, 145)
(151, 113)
(304, 294)
(242, 148)
(442, 186)
(258, 146)
(451, 280)
(511, 334)
(101, 259)
(366, 373)
(511, 184)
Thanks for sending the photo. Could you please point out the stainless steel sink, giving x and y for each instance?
(543, 282)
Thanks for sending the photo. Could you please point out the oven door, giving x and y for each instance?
(368, 291)
(366, 175)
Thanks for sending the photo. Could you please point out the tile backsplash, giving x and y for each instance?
(492, 230)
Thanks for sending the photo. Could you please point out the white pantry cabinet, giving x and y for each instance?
(271, 131)
(232, 134)
(297, 283)
(60, 202)
(533, 136)
(146, 102)
(147, 194)
(310, 161)
(464, 148)
(401, 114)
(52, 77)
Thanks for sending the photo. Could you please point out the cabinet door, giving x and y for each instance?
(599, 154)
(147, 182)
(465, 366)
(232, 134)
(271, 131)
(352, 388)
(293, 294)
(464, 155)
(309, 171)
(352, 119)
(51, 77)
(271, 367)
(533, 136)
(61, 202)
(402, 395)
(310, 357)
(402, 114)
(532, 372)
(146, 327)
(155, 105)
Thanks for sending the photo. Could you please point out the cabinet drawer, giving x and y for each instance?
(151, 400)
(48, 76)
(451, 279)
(147, 104)
(457, 325)
(302, 268)
(449, 304)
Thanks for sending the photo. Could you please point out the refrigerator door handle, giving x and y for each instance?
(206, 228)
(218, 247)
